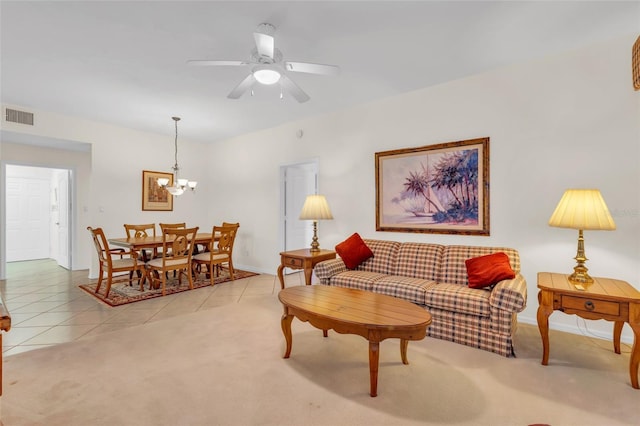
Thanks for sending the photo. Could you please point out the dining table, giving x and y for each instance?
(139, 244)
(142, 244)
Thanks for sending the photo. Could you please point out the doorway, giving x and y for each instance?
(38, 206)
(296, 182)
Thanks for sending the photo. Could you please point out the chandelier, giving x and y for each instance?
(179, 185)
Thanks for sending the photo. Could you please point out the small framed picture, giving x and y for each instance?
(155, 197)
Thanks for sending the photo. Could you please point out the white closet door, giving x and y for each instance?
(27, 218)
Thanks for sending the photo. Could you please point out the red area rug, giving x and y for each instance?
(121, 293)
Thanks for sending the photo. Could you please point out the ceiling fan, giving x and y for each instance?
(268, 66)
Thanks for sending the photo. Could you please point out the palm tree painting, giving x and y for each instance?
(439, 188)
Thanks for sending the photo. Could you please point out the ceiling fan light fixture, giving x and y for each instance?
(269, 68)
(266, 75)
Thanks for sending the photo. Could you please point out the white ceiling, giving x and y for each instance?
(123, 62)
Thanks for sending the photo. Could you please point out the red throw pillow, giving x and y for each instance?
(353, 251)
(485, 271)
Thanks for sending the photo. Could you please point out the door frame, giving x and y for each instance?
(3, 210)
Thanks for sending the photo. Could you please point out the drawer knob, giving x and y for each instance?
(589, 306)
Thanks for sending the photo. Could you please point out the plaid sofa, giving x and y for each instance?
(435, 276)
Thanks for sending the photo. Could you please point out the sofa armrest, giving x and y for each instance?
(510, 295)
(328, 268)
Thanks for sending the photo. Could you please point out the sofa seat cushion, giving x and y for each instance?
(407, 288)
(356, 279)
(457, 298)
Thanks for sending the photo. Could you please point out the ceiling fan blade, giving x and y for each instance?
(265, 44)
(242, 87)
(322, 69)
(291, 87)
(198, 62)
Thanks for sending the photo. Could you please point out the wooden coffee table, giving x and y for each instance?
(349, 311)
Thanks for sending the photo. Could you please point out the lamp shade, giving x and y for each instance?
(315, 208)
(582, 209)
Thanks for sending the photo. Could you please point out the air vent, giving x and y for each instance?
(21, 117)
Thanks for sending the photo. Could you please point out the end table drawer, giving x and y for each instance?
(588, 305)
(291, 261)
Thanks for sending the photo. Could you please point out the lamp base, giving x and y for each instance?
(315, 245)
(580, 278)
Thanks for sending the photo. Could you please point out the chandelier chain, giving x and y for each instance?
(175, 166)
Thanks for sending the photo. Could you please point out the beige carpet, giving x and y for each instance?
(224, 366)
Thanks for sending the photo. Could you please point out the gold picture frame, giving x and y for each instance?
(437, 189)
(635, 64)
(154, 197)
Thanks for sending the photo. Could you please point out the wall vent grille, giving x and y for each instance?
(21, 117)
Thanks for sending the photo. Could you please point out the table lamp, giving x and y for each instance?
(582, 209)
(315, 208)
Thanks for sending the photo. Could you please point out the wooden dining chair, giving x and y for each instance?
(179, 225)
(109, 265)
(177, 251)
(163, 226)
(235, 225)
(142, 231)
(221, 254)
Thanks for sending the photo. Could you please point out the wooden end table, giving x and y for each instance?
(607, 298)
(351, 311)
(302, 259)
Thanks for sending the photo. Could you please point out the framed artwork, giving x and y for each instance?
(437, 189)
(154, 197)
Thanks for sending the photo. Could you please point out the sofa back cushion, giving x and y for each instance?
(419, 260)
(385, 256)
(453, 269)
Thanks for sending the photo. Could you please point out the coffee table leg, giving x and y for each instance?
(403, 350)
(374, 359)
(285, 322)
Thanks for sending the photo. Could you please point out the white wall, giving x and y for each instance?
(566, 121)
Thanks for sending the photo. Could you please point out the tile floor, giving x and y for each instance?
(47, 307)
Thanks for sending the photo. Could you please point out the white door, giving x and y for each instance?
(27, 225)
(62, 222)
(300, 180)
